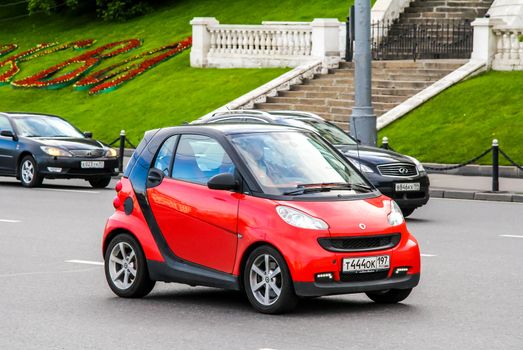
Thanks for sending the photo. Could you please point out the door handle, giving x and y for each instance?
(154, 177)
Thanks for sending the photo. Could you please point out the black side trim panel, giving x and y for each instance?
(314, 289)
(190, 274)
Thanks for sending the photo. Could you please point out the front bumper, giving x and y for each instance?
(71, 167)
(410, 199)
(316, 289)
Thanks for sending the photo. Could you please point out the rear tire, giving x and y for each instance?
(268, 283)
(28, 172)
(100, 182)
(126, 268)
(391, 296)
(407, 211)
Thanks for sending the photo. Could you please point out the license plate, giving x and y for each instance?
(92, 164)
(405, 187)
(366, 264)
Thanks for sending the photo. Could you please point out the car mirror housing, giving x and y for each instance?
(224, 181)
(88, 134)
(8, 133)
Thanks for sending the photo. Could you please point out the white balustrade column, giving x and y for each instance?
(201, 40)
(325, 40)
(484, 45)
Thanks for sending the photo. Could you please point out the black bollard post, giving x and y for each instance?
(122, 149)
(385, 142)
(495, 165)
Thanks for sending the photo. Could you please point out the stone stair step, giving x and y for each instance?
(342, 96)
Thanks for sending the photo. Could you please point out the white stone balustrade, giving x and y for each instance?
(271, 44)
(509, 49)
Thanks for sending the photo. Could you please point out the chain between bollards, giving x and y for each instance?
(122, 150)
(495, 165)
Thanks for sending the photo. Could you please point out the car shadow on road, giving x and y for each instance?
(417, 220)
(223, 300)
(56, 186)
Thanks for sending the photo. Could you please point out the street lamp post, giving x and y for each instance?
(363, 119)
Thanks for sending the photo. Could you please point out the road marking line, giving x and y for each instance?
(86, 262)
(428, 255)
(47, 272)
(63, 190)
(511, 236)
(10, 221)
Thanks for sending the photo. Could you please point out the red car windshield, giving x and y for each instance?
(286, 161)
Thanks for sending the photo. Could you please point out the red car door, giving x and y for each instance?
(199, 224)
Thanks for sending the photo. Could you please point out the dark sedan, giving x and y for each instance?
(38, 146)
(397, 176)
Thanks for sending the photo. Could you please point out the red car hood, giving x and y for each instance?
(349, 218)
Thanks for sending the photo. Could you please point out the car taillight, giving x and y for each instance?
(118, 186)
(117, 202)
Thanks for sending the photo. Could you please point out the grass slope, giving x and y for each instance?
(168, 94)
(461, 122)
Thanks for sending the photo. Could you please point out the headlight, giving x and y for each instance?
(111, 152)
(300, 219)
(419, 166)
(55, 151)
(396, 216)
(360, 166)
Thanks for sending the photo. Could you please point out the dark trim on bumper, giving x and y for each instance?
(313, 289)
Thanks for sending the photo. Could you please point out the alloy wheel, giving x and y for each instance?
(265, 279)
(28, 171)
(123, 265)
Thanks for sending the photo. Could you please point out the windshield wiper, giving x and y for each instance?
(326, 187)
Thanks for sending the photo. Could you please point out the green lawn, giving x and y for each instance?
(166, 95)
(461, 122)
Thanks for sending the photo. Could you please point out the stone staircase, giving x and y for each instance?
(423, 11)
(332, 95)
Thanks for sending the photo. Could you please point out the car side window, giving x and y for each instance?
(165, 155)
(4, 124)
(198, 158)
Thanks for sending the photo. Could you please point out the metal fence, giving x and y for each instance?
(391, 40)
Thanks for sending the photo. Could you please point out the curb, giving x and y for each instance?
(477, 195)
(476, 170)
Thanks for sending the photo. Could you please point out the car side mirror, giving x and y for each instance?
(224, 181)
(154, 177)
(8, 133)
(88, 134)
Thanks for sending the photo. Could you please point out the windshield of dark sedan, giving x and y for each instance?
(330, 132)
(284, 161)
(44, 126)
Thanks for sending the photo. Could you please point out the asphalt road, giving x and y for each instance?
(470, 296)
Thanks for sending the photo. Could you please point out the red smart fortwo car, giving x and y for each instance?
(271, 210)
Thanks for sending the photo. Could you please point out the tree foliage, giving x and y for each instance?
(108, 10)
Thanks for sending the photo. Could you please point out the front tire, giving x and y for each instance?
(126, 268)
(28, 172)
(100, 182)
(268, 283)
(391, 296)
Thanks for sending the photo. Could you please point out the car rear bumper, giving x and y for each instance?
(71, 167)
(315, 289)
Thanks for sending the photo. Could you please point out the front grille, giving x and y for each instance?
(360, 243)
(362, 277)
(92, 153)
(398, 170)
